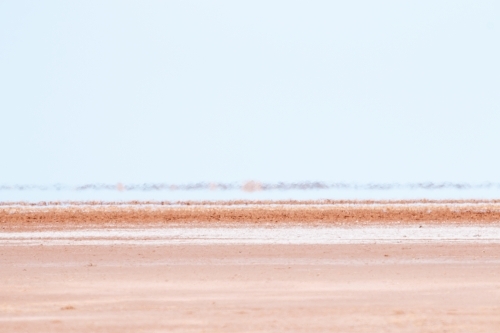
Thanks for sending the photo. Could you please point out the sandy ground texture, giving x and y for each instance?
(251, 288)
(379, 275)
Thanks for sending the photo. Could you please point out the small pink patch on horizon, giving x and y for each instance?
(251, 186)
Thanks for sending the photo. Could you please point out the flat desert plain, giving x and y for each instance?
(332, 266)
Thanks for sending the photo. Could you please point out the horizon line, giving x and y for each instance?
(252, 186)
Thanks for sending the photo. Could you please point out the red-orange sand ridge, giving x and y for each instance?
(18, 215)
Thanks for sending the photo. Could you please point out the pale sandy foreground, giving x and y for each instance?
(240, 278)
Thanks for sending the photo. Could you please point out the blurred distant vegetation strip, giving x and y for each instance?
(251, 186)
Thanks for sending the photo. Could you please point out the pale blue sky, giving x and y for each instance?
(186, 91)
